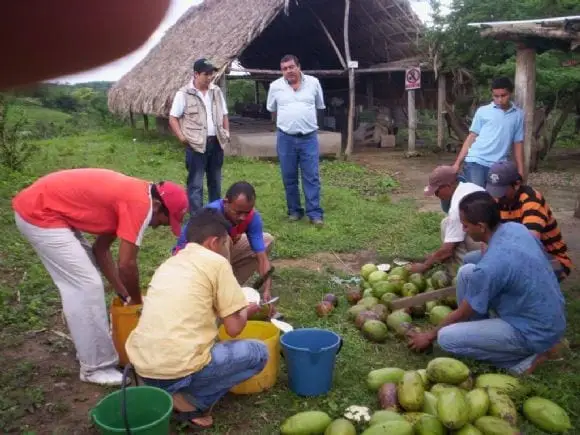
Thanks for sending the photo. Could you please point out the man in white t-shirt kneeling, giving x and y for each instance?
(443, 183)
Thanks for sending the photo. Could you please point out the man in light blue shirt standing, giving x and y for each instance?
(293, 100)
(495, 128)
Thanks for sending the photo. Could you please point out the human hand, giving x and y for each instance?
(456, 167)
(417, 268)
(483, 248)
(419, 341)
(252, 309)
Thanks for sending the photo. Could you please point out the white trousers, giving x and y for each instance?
(68, 258)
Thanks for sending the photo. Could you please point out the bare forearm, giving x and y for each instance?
(107, 267)
(263, 268)
(129, 275)
(465, 148)
(519, 156)
(176, 128)
(226, 122)
(439, 256)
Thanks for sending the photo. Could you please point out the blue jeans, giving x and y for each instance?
(301, 153)
(492, 340)
(232, 362)
(198, 164)
(475, 173)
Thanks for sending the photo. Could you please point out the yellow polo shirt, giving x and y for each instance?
(178, 325)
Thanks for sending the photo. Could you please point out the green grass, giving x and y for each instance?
(35, 112)
(359, 215)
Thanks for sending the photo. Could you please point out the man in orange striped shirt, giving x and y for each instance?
(521, 203)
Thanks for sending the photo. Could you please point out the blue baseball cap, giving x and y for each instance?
(500, 177)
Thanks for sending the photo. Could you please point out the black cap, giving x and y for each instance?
(501, 175)
(203, 66)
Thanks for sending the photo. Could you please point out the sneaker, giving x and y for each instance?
(103, 377)
(318, 223)
(294, 218)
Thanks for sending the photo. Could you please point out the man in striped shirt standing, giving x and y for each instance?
(521, 203)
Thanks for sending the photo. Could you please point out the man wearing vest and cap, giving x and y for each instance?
(443, 183)
(53, 213)
(250, 246)
(521, 203)
(199, 119)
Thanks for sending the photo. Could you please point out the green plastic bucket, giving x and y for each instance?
(139, 410)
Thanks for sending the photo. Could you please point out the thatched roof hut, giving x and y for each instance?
(259, 33)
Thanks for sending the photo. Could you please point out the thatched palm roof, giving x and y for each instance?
(259, 33)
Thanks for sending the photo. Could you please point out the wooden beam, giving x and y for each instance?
(525, 93)
(441, 97)
(256, 92)
(351, 101)
(370, 91)
(380, 69)
(412, 115)
(278, 73)
(420, 299)
(329, 36)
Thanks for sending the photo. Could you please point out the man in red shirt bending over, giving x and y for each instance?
(53, 213)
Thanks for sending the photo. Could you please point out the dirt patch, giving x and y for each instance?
(59, 403)
(348, 262)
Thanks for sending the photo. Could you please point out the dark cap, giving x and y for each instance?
(203, 66)
(441, 176)
(500, 177)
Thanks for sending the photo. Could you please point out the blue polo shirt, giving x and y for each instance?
(296, 109)
(515, 279)
(254, 231)
(496, 131)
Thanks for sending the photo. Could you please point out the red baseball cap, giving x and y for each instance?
(175, 200)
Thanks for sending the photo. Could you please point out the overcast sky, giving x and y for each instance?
(115, 70)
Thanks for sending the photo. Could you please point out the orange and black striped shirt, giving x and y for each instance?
(532, 211)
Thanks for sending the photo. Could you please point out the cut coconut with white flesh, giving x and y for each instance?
(252, 295)
(282, 326)
(384, 267)
(401, 262)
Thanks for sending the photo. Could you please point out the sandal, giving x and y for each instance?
(188, 417)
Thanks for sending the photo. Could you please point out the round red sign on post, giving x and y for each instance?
(413, 78)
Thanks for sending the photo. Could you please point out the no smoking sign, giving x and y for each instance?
(413, 78)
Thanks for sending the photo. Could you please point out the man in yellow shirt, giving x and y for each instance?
(174, 346)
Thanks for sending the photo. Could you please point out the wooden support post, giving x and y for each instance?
(577, 208)
(370, 91)
(145, 122)
(223, 84)
(412, 115)
(256, 92)
(351, 102)
(441, 97)
(132, 119)
(525, 96)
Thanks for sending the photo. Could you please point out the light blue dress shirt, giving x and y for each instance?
(296, 109)
(496, 130)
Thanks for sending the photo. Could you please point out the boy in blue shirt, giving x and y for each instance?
(515, 280)
(250, 246)
(495, 128)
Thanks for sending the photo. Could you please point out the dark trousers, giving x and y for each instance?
(198, 164)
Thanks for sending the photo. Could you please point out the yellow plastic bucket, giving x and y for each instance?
(123, 320)
(270, 335)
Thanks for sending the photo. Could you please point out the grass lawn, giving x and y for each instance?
(35, 112)
(359, 215)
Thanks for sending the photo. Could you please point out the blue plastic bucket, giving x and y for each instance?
(310, 355)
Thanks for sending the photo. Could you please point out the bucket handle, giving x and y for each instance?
(128, 367)
(340, 343)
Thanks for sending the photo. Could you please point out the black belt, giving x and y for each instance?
(297, 134)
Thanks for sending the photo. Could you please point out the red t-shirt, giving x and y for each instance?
(95, 201)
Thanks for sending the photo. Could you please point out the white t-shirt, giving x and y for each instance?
(178, 107)
(453, 228)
